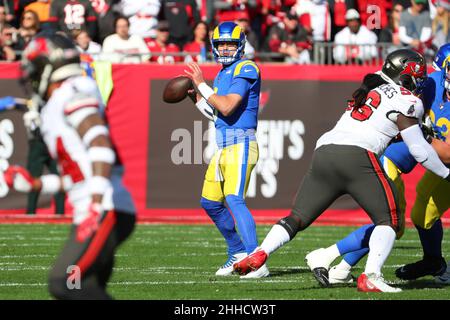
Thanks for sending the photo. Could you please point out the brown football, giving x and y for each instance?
(176, 89)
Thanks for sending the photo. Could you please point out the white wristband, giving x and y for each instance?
(98, 185)
(102, 154)
(51, 183)
(205, 90)
(94, 132)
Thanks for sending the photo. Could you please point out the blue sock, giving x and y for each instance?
(356, 240)
(352, 258)
(431, 239)
(220, 215)
(245, 222)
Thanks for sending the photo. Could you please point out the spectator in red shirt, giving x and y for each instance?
(160, 46)
(291, 40)
(200, 46)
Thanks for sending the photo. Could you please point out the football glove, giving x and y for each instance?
(32, 121)
(19, 179)
(427, 130)
(90, 224)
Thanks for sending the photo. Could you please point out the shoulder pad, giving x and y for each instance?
(246, 69)
(79, 101)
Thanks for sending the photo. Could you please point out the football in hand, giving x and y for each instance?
(177, 89)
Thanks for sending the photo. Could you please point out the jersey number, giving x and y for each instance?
(363, 113)
(74, 14)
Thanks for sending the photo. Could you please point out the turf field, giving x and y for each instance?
(179, 262)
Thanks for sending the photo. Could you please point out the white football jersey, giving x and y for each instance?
(65, 144)
(374, 125)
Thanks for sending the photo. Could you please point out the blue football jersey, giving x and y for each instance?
(243, 78)
(440, 106)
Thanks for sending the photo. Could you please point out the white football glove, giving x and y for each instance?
(19, 179)
(32, 120)
(204, 107)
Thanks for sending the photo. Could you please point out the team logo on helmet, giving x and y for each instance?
(414, 69)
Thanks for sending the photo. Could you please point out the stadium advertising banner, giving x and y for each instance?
(167, 157)
(166, 148)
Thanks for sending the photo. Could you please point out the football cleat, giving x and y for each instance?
(227, 268)
(318, 263)
(251, 263)
(445, 277)
(374, 283)
(338, 276)
(321, 275)
(318, 259)
(426, 267)
(260, 273)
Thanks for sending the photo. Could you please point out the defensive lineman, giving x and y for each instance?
(75, 133)
(346, 162)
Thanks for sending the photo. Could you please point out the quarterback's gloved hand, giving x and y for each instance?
(19, 179)
(90, 224)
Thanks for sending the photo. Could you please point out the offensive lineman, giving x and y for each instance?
(75, 133)
(345, 162)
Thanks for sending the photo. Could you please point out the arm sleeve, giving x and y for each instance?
(422, 151)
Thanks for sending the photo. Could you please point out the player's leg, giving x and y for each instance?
(432, 201)
(356, 245)
(35, 165)
(88, 257)
(212, 202)
(320, 187)
(377, 195)
(122, 230)
(126, 218)
(238, 163)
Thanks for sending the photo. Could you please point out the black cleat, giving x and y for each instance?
(426, 267)
(321, 275)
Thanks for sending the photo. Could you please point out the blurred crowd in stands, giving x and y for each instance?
(171, 31)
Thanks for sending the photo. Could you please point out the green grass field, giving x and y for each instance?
(179, 261)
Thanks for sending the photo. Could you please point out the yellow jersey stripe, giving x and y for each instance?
(242, 64)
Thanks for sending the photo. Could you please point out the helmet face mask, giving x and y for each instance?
(406, 67)
(228, 32)
(447, 78)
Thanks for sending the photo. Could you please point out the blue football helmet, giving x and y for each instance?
(228, 32)
(442, 57)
